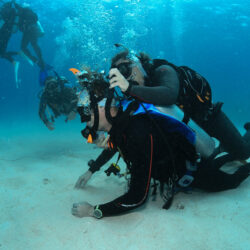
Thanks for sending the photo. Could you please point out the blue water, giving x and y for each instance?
(39, 168)
(212, 37)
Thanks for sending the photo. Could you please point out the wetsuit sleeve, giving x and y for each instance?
(42, 108)
(102, 159)
(141, 165)
(164, 89)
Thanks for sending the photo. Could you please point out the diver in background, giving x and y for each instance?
(60, 97)
(32, 30)
(8, 26)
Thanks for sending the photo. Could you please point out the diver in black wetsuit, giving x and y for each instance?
(7, 15)
(160, 151)
(60, 97)
(31, 28)
(162, 83)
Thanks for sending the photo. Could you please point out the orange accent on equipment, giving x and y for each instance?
(110, 145)
(90, 139)
(74, 71)
(199, 98)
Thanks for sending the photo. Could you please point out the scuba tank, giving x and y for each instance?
(204, 145)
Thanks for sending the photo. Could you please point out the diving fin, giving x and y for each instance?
(16, 68)
(43, 74)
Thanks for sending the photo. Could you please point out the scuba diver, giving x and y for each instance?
(163, 150)
(8, 26)
(58, 96)
(163, 83)
(204, 144)
(32, 30)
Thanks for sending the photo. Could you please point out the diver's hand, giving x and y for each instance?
(102, 141)
(71, 116)
(117, 79)
(83, 179)
(50, 125)
(82, 209)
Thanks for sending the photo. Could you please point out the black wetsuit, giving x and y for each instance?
(62, 101)
(7, 14)
(28, 25)
(147, 156)
(168, 84)
(102, 159)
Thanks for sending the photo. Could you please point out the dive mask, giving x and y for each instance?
(125, 68)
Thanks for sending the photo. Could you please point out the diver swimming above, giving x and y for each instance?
(164, 150)
(8, 26)
(163, 83)
(14, 17)
(32, 30)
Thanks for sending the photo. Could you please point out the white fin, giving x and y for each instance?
(16, 68)
(26, 58)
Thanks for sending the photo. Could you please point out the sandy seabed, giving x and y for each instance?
(38, 170)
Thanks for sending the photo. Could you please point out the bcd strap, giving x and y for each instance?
(186, 118)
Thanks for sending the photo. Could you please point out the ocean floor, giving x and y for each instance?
(38, 170)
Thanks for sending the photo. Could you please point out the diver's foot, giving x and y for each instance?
(241, 174)
(247, 126)
(243, 171)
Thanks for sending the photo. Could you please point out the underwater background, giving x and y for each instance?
(211, 37)
(39, 168)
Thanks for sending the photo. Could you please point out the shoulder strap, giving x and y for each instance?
(150, 66)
